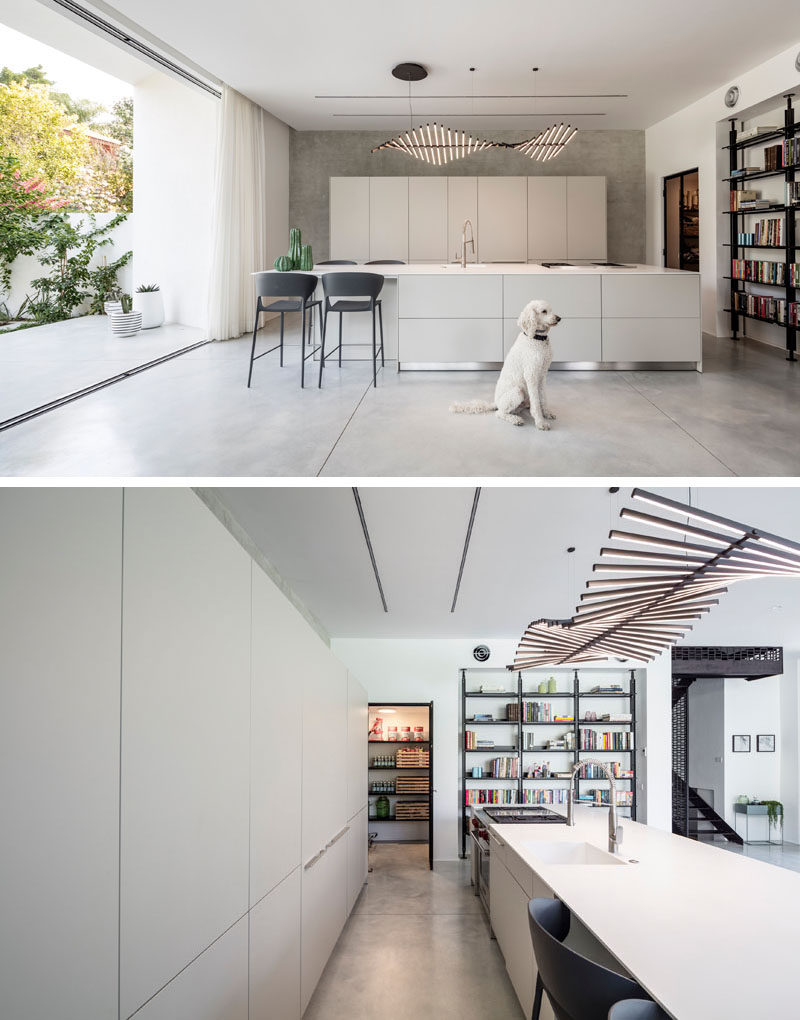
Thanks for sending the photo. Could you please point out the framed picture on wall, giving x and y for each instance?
(741, 742)
(765, 742)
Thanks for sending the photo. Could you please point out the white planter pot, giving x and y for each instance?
(109, 307)
(151, 305)
(123, 324)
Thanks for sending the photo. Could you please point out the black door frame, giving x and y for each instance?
(671, 177)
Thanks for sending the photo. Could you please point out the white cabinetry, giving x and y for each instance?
(509, 911)
(586, 218)
(349, 218)
(577, 338)
(275, 952)
(357, 750)
(654, 318)
(462, 204)
(184, 853)
(547, 218)
(502, 234)
(324, 910)
(427, 219)
(356, 856)
(59, 734)
(388, 218)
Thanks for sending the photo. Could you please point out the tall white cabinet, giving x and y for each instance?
(502, 228)
(194, 765)
(388, 218)
(427, 219)
(586, 218)
(349, 218)
(547, 218)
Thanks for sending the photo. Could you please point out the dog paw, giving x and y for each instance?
(550, 416)
(543, 426)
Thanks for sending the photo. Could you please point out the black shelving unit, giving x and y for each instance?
(737, 287)
(574, 697)
(389, 747)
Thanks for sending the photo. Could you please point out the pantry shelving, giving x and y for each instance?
(605, 690)
(401, 758)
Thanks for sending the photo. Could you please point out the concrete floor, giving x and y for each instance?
(195, 417)
(786, 856)
(416, 945)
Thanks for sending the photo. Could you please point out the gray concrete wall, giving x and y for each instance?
(619, 156)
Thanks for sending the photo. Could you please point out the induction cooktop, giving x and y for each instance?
(517, 815)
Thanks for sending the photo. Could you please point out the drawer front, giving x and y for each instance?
(651, 297)
(451, 297)
(652, 340)
(520, 871)
(571, 297)
(450, 340)
(571, 339)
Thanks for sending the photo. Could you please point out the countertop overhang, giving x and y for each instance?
(497, 269)
(707, 932)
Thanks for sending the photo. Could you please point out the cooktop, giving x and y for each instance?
(516, 815)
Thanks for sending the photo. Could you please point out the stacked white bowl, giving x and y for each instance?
(126, 323)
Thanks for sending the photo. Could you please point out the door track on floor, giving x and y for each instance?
(68, 398)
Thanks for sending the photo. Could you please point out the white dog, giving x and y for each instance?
(524, 373)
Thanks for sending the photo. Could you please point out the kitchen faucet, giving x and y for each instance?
(614, 829)
(465, 242)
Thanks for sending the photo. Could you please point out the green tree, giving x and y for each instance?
(33, 76)
(121, 124)
(83, 110)
(50, 146)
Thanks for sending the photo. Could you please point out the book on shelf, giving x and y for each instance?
(764, 232)
(591, 740)
(607, 689)
(746, 170)
(742, 195)
(792, 193)
(755, 132)
(771, 309)
(617, 717)
(482, 717)
(773, 157)
(754, 271)
(491, 689)
(754, 205)
(504, 768)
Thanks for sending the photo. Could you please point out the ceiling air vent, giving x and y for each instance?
(481, 653)
(732, 96)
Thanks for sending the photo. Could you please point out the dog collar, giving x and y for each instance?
(540, 336)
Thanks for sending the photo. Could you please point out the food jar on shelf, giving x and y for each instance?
(405, 733)
(419, 733)
(392, 733)
(382, 807)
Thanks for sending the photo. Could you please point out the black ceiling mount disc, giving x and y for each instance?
(410, 72)
(481, 653)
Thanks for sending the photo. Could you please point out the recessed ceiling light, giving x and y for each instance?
(388, 711)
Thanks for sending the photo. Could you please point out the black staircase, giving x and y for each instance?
(705, 823)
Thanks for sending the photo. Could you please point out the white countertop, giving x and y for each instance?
(709, 933)
(499, 269)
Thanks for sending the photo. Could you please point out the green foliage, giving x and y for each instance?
(121, 124)
(68, 250)
(83, 110)
(127, 304)
(33, 76)
(147, 288)
(774, 812)
(103, 281)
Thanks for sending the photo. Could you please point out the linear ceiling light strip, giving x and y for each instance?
(648, 608)
(367, 539)
(108, 28)
(467, 539)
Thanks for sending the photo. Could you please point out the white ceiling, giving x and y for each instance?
(517, 569)
(662, 55)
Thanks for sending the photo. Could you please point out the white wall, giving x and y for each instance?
(707, 740)
(277, 199)
(692, 138)
(752, 707)
(428, 669)
(27, 268)
(174, 145)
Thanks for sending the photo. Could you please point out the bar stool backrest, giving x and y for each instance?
(289, 285)
(637, 1009)
(578, 989)
(340, 285)
(338, 262)
(385, 262)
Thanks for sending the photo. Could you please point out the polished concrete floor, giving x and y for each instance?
(416, 945)
(786, 856)
(194, 416)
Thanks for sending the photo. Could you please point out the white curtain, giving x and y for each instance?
(240, 222)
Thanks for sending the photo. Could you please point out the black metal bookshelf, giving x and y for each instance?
(572, 698)
(738, 286)
(391, 747)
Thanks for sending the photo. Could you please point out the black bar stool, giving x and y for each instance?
(339, 290)
(337, 262)
(297, 291)
(385, 262)
(637, 1009)
(578, 989)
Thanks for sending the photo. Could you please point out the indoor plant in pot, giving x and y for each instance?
(126, 322)
(148, 301)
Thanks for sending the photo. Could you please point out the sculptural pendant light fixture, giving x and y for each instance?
(548, 143)
(655, 593)
(432, 143)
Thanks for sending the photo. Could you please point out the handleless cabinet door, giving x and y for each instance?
(349, 218)
(388, 218)
(547, 218)
(324, 912)
(462, 204)
(427, 219)
(586, 218)
(357, 750)
(356, 857)
(275, 952)
(502, 234)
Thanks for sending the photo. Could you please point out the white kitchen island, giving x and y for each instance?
(440, 316)
(707, 932)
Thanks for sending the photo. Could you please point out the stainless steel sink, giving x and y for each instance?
(573, 853)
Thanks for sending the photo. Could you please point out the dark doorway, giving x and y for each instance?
(682, 221)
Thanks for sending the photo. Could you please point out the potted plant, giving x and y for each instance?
(112, 302)
(126, 322)
(148, 301)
